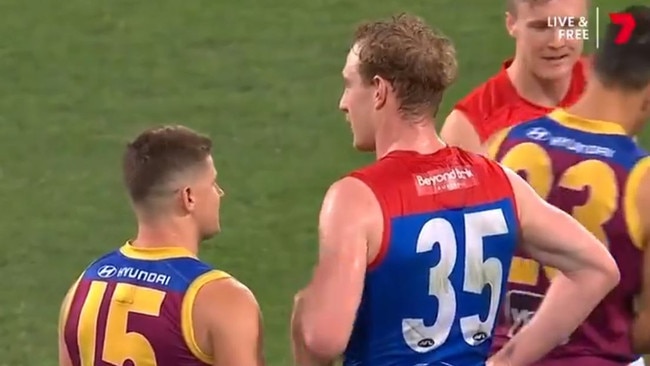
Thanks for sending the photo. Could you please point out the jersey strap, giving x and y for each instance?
(630, 207)
(497, 141)
(65, 309)
(187, 322)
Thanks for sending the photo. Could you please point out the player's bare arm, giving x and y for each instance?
(590, 273)
(325, 311)
(641, 326)
(459, 131)
(230, 316)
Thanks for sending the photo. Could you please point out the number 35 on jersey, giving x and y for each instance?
(470, 252)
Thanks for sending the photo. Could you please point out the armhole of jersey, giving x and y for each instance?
(513, 195)
(385, 235)
(497, 141)
(187, 325)
(471, 118)
(69, 296)
(631, 209)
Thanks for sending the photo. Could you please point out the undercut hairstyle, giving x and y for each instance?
(627, 65)
(418, 61)
(157, 156)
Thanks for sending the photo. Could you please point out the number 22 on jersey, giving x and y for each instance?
(598, 208)
(118, 342)
(478, 272)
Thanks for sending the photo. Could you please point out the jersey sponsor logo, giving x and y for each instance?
(110, 271)
(443, 180)
(106, 271)
(538, 134)
(543, 135)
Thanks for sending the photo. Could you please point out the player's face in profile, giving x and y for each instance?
(544, 50)
(207, 194)
(356, 103)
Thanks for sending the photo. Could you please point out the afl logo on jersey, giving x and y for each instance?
(426, 343)
(538, 134)
(106, 271)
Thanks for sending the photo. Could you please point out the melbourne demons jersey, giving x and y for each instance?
(496, 104)
(432, 294)
(134, 306)
(592, 170)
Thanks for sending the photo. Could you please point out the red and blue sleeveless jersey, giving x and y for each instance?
(432, 294)
(591, 170)
(133, 306)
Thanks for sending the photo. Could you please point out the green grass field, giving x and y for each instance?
(80, 77)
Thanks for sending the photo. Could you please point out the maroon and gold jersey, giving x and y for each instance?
(134, 307)
(591, 170)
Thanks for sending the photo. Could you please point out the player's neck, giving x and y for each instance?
(154, 233)
(545, 93)
(417, 135)
(600, 104)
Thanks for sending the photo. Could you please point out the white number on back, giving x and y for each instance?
(478, 273)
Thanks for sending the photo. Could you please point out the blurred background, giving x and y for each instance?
(78, 78)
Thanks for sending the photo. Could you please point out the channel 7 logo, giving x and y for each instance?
(627, 23)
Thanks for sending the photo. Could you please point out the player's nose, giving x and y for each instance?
(343, 104)
(557, 41)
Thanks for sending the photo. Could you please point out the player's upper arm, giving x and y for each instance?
(459, 131)
(641, 335)
(349, 213)
(234, 322)
(556, 239)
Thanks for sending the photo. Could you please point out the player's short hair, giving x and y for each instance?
(512, 5)
(160, 154)
(418, 61)
(626, 66)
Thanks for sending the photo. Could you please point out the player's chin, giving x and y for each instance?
(364, 146)
(209, 234)
(556, 71)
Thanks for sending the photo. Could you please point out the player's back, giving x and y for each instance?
(589, 169)
(136, 304)
(431, 296)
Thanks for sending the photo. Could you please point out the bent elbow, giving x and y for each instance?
(611, 272)
(324, 342)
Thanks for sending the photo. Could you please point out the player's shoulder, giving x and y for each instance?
(639, 177)
(370, 174)
(490, 94)
(234, 300)
(226, 288)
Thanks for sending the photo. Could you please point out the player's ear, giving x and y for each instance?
(511, 22)
(187, 198)
(645, 107)
(381, 91)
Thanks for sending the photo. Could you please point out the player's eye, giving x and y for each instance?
(538, 25)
